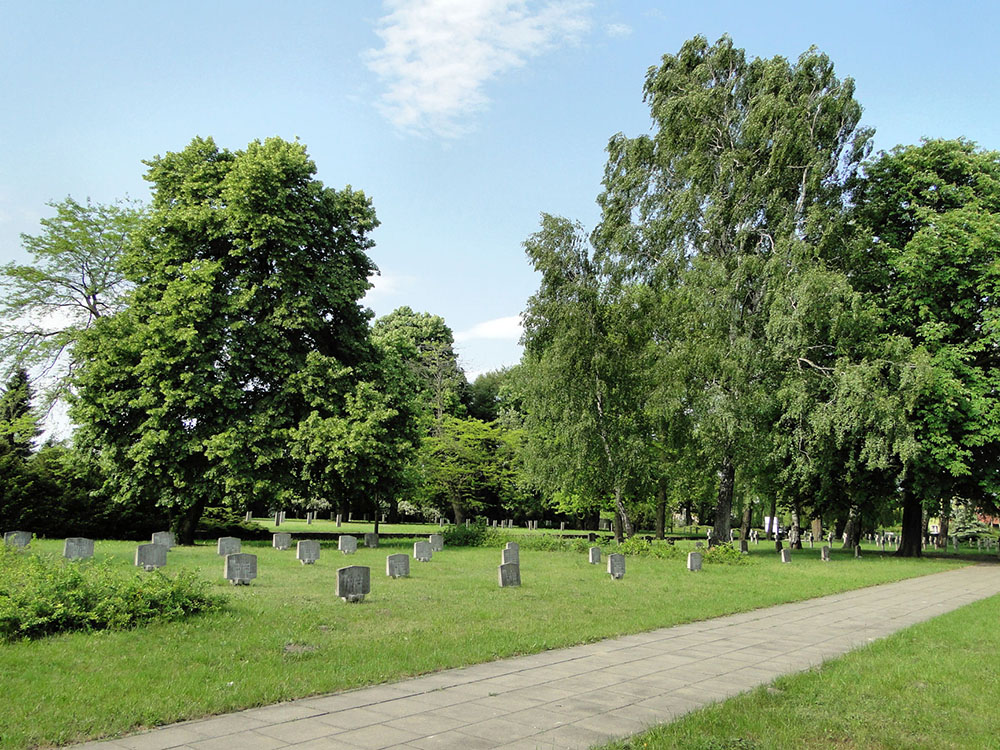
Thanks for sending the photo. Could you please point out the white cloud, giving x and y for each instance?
(439, 54)
(386, 285)
(618, 30)
(506, 329)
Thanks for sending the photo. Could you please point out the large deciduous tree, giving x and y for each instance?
(244, 321)
(733, 196)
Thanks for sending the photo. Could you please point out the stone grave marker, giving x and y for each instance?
(594, 556)
(616, 566)
(824, 553)
(348, 544)
(19, 539)
(510, 556)
(857, 550)
(509, 574)
(309, 519)
(422, 551)
(513, 545)
(249, 516)
(786, 555)
(78, 548)
(441, 522)
(277, 519)
(371, 540)
(150, 556)
(437, 542)
(307, 551)
(228, 545)
(694, 561)
(397, 566)
(744, 547)
(281, 540)
(339, 520)
(562, 526)
(164, 539)
(240, 568)
(354, 582)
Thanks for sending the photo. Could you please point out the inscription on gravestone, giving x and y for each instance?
(307, 551)
(397, 566)
(509, 574)
(78, 548)
(616, 566)
(164, 539)
(150, 556)
(422, 551)
(510, 556)
(282, 540)
(786, 555)
(353, 583)
(824, 553)
(348, 544)
(594, 555)
(240, 568)
(437, 542)
(371, 540)
(20, 539)
(694, 561)
(229, 545)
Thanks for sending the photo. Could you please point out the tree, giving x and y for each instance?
(933, 213)
(74, 278)
(737, 191)
(18, 422)
(460, 465)
(244, 320)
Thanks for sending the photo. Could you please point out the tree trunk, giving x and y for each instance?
(687, 514)
(942, 537)
(377, 510)
(724, 505)
(771, 533)
(661, 508)
(458, 511)
(746, 521)
(795, 533)
(188, 522)
(393, 515)
(910, 543)
(626, 524)
(851, 530)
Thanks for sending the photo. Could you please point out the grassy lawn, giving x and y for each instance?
(930, 687)
(287, 636)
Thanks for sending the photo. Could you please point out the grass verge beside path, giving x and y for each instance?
(287, 635)
(932, 686)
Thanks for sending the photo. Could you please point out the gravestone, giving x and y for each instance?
(437, 542)
(422, 551)
(616, 566)
(562, 526)
(509, 574)
(309, 519)
(277, 519)
(786, 555)
(347, 544)
(857, 550)
(510, 556)
(78, 548)
(354, 582)
(228, 545)
(594, 555)
(307, 551)
(694, 561)
(397, 566)
(441, 522)
(19, 539)
(824, 553)
(494, 523)
(744, 547)
(339, 520)
(512, 545)
(165, 539)
(281, 540)
(371, 540)
(249, 516)
(150, 556)
(240, 568)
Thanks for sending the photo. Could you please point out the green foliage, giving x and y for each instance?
(40, 596)
(216, 522)
(725, 554)
(639, 547)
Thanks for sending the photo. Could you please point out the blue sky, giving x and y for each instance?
(462, 119)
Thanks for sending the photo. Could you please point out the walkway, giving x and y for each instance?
(584, 695)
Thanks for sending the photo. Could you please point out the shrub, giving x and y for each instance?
(216, 522)
(40, 595)
(725, 554)
(639, 546)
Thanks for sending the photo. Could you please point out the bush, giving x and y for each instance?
(216, 522)
(638, 546)
(40, 595)
(725, 554)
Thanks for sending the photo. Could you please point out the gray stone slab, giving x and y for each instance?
(307, 551)
(228, 545)
(616, 566)
(594, 555)
(397, 566)
(422, 551)
(786, 555)
(281, 540)
(694, 561)
(20, 539)
(509, 574)
(347, 544)
(240, 568)
(511, 556)
(165, 538)
(78, 548)
(354, 583)
(150, 556)
(437, 542)
(371, 540)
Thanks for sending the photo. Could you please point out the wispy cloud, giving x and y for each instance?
(507, 329)
(439, 54)
(618, 30)
(386, 285)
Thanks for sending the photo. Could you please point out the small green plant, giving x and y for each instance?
(41, 595)
(640, 546)
(725, 554)
(216, 522)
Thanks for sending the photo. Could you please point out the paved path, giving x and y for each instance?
(577, 697)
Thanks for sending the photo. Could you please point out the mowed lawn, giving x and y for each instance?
(288, 636)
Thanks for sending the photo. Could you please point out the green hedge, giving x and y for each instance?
(41, 595)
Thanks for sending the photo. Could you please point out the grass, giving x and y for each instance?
(930, 687)
(287, 636)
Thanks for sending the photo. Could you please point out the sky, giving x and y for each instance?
(462, 120)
